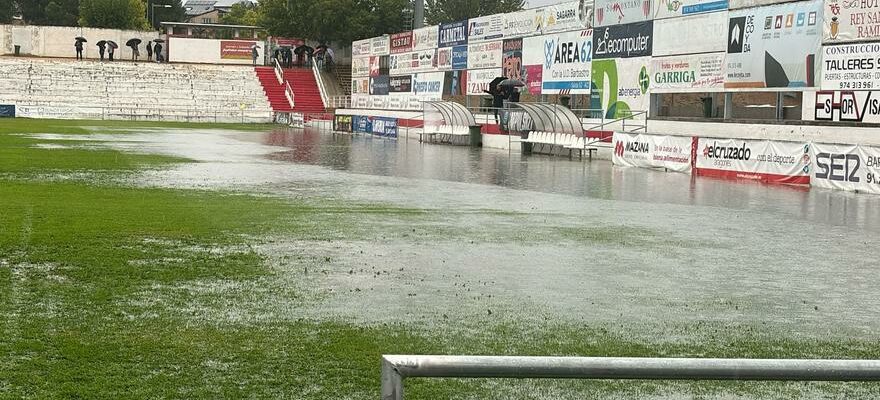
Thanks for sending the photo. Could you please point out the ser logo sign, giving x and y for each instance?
(838, 167)
(846, 106)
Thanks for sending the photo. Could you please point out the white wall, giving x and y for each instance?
(822, 134)
(208, 51)
(58, 41)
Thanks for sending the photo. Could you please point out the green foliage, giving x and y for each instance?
(332, 20)
(49, 12)
(161, 14)
(6, 11)
(439, 11)
(113, 14)
(241, 14)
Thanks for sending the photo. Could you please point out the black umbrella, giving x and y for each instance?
(322, 46)
(101, 43)
(309, 50)
(81, 39)
(133, 42)
(112, 44)
(493, 86)
(512, 83)
(299, 50)
(159, 40)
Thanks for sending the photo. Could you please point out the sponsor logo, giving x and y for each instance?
(631, 147)
(715, 151)
(566, 52)
(630, 44)
(838, 167)
(736, 32)
(644, 79)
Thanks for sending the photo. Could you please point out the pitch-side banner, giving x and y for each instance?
(425, 38)
(484, 55)
(652, 151)
(567, 58)
(690, 73)
(678, 8)
(774, 46)
(490, 27)
(842, 106)
(512, 58)
(533, 63)
(568, 16)
(361, 48)
(523, 23)
(762, 160)
(478, 80)
(615, 12)
(851, 20)
(853, 66)
(690, 35)
(846, 167)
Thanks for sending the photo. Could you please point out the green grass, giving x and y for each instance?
(94, 298)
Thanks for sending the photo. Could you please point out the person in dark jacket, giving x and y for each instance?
(79, 49)
(149, 51)
(158, 50)
(101, 51)
(110, 51)
(498, 97)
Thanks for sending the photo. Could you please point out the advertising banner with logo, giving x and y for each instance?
(379, 46)
(489, 27)
(762, 160)
(842, 106)
(400, 84)
(573, 15)
(380, 85)
(567, 59)
(236, 49)
(652, 151)
(453, 34)
(678, 8)
(690, 73)
(623, 41)
(362, 124)
(620, 86)
(533, 63)
(616, 12)
(851, 20)
(375, 69)
(7, 110)
(690, 35)
(478, 80)
(361, 47)
(425, 38)
(444, 59)
(360, 85)
(342, 123)
(737, 4)
(846, 167)
(851, 66)
(417, 61)
(511, 58)
(523, 23)
(774, 46)
(401, 42)
(455, 83)
(383, 126)
(484, 55)
(428, 86)
(360, 66)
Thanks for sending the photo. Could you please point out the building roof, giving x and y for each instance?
(230, 3)
(198, 7)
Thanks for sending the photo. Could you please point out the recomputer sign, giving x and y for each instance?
(623, 41)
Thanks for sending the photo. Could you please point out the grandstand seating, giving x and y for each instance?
(137, 91)
(307, 98)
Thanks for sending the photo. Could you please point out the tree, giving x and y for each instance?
(162, 14)
(241, 14)
(332, 20)
(113, 14)
(49, 12)
(439, 11)
(6, 11)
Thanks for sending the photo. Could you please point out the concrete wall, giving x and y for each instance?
(57, 41)
(822, 134)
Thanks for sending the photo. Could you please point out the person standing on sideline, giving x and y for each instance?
(101, 51)
(158, 50)
(79, 49)
(110, 51)
(149, 51)
(255, 54)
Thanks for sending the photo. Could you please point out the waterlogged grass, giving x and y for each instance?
(83, 266)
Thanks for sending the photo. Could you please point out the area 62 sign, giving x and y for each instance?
(848, 106)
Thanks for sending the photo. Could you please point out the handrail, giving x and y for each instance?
(279, 73)
(288, 92)
(395, 368)
(320, 81)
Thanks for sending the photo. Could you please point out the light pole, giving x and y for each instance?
(153, 12)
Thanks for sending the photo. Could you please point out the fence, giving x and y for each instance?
(395, 368)
(145, 114)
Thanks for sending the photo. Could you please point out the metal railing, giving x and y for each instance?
(319, 79)
(343, 101)
(279, 73)
(288, 92)
(395, 368)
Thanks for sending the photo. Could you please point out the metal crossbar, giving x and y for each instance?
(395, 368)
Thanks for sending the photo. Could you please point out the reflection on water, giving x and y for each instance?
(597, 179)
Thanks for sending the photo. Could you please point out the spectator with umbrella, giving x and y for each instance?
(134, 43)
(111, 48)
(511, 88)
(328, 58)
(299, 51)
(158, 50)
(149, 51)
(79, 47)
(498, 95)
(319, 55)
(255, 53)
(310, 52)
(101, 48)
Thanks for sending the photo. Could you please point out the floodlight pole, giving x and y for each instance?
(418, 13)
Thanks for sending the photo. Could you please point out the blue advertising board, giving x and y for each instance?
(453, 34)
(7, 111)
(361, 123)
(383, 126)
(459, 57)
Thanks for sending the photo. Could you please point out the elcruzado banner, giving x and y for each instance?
(762, 160)
(652, 151)
(846, 167)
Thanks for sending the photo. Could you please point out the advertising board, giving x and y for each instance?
(851, 20)
(846, 167)
(690, 35)
(453, 34)
(478, 80)
(853, 66)
(512, 58)
(688, 73)
(620, 86)
(572, 15)
(843, 106)
(523, 23)
(762, 160)
(425, 38)
(623, 41)
(489, 27)
(652, 151)
(484, 55)
(401, 42)
(678, 8)
(567, 59)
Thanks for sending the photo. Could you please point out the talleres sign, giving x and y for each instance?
(851, 66)
(623, 41)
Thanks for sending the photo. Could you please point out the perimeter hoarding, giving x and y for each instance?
(853, 66)
(361, 47)
(762, 160)
(842, 106)
(623, 41)
(512, 59)
(567, 58)
(678, 8)
(572, 15)
(620, 86)
(851, 20)
(652, 151)
(360, 66)
(478, 80)
(533, 63)
(774, 46)
(690, 35)
(523, 23)
(615, 12)
(489, 27)
(428, 86)
(379, 85)
(425, 38)
(484, 55)
(379, 46)
(846, 167)
(417, 61)
(401, 42)
(453, 34)
(688, 73)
